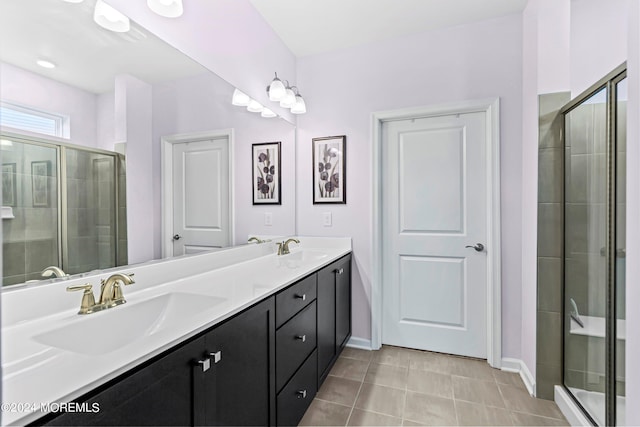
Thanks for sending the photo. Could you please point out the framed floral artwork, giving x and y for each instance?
(266, 182)
(330, 169)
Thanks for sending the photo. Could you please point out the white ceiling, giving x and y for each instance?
(87, 56)
(309, 27)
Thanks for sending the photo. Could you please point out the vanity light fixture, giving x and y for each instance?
(45, 64)
(268, 113)
(300, 107)
(166, 8)
(286, 96)
(255, 107)
(240, 98)
(289, 98)
(276, 89)
(109, 18)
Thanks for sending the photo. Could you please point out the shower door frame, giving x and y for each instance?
(60, 146)
(608, 82)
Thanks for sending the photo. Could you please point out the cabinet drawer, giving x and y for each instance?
(295, 340)
(296, 396)
(294, 298)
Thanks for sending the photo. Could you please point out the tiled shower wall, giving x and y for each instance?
(30, 239)
(550, 242)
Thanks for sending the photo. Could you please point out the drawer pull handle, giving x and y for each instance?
(302, 338)
(302, 394)
(303, 297)
(206, 364)
(340, 270)
(217, 356)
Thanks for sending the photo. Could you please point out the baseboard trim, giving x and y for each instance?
(517, 365)
(361, 343)
(568, 407)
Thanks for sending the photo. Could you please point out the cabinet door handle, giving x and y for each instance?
(205, 363)
(302, 394)
(303, 297)
(302, 338)
(340, 270)
(216, 357)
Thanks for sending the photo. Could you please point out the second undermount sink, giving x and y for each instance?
(297, 258)
(112, 329)
(306, 255)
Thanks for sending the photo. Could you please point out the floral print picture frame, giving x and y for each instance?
(330, 170)
(266, 182)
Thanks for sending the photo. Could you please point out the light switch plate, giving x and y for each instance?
(268, 218)
(326, 219)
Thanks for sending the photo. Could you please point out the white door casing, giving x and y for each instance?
(434, 287)
(492, 178)
(197, 200)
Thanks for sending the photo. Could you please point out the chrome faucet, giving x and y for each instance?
(52, 270)
(111, 291)
(283, 247)
(255, 239)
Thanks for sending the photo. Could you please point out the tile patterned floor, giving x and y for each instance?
(400, 387)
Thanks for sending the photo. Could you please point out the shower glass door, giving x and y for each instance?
(30, 210)
(91, 211)
(594, 249)
(585, 252)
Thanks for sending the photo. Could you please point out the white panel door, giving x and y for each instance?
(434, 206)
(200, 196)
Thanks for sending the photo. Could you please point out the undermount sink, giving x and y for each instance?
(306, 255)
(296, 259)
(112, 329)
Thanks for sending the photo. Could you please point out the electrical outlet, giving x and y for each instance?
(326, 219)
(268, 218)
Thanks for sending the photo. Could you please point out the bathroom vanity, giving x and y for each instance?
(276, 324)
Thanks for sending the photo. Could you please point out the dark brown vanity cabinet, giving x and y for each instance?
(334, 313)
(261, 367)
(224, 377)
(296, 361)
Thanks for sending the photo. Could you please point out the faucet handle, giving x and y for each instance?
(88, 303)
(87, 287)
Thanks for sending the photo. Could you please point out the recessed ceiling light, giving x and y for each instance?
(45, 64)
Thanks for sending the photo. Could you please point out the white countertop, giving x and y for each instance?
(37, 373)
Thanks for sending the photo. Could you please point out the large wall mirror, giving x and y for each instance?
(93, 147)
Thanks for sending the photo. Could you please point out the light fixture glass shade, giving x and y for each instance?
(268, 113)
(276, 90)
(255, 107)
(109, 18)
(240, 98)
(289, 99)
(166, 8)
(300, 107)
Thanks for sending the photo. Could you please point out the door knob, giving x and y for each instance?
(478, 247)
(177, 237)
